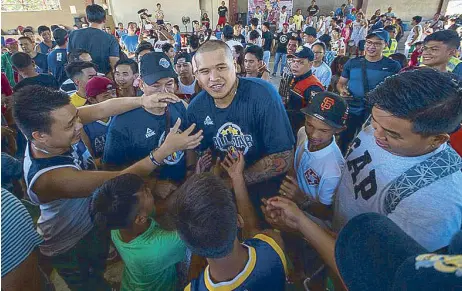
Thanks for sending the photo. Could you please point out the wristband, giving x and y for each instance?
(153, 160)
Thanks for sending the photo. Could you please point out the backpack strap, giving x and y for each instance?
(436, 167)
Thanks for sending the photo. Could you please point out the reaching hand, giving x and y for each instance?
(176, 141)
(289, 188)
(280, 211)
(158, 100)
(234, 165)
(204, 163)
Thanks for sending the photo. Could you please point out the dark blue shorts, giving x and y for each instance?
(361, 45)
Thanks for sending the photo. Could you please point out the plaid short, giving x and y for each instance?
(83, 266)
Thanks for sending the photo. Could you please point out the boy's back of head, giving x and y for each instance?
(206, 216)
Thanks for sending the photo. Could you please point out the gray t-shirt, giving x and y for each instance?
(100, 44)
(431, 216)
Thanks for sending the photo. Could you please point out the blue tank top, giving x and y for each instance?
(62, 222)
(96, 132)
(266, 269)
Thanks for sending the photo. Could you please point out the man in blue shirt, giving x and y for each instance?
(47, 44)
(130, 40)
(240, 114)
(39, 59)
(177, 37)
(361, 75)
(103, 48)
(57, 58)
(134, 134)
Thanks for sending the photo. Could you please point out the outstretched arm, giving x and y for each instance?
(269, 167)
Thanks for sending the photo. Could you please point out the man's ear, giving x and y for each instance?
(240, 221)
(140, 219)
(40, 136)
(439, 139)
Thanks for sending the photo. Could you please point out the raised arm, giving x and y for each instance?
(269, 167)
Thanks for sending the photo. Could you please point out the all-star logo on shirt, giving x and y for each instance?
(149, 132)
(208, 121)
(231, 138)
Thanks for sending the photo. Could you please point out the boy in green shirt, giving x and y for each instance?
(124, 205)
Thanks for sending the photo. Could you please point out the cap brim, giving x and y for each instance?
(375, 34)
(307, 111)
(369, 251)
(152, 78)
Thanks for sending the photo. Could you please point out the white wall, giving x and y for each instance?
(125, 11)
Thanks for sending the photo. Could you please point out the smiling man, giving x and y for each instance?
(439, 51)
(186, 82)
(125, 74)
(244, 115)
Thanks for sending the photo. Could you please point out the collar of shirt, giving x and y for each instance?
(320, 153)
(304, 76)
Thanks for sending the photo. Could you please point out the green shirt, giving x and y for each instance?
(150, 259)
(7, 68)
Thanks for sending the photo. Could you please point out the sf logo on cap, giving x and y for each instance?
(327, 103)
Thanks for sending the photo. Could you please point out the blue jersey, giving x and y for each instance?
(266, 269)
(96, 132)
(255, 122)
(57, 60)
(134, 134)
(44, 49)
(130, 42)
(376, 72)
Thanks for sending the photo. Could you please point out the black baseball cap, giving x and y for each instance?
(303, 53)
(311, 31)
(329, 108)
(187, 57)
(228, 31)
(155, 66)
(373, 253)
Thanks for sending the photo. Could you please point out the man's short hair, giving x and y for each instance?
(74, 69)
(448, 37)
(32, 106)
(284, 7)
(213, 45)
(166, 47)
(133, 65)
(95, 13)
(417, 19)
(194, 41)
(390, 28)
(294, 38)
(144, 45)
(27, 30)
(266, 24)
(74, 55)
(423, 97)
(21, 60)
(321, 44)
(25, 38)
(131, 22)
(120, 23)
(256, 51)
(176, 27)
(42, 28)
(254, 35)
(254, 21)
(182, 55)
(114, 204)
(206, 216)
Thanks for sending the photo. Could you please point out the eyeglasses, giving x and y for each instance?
(375, 44)
(318, 53)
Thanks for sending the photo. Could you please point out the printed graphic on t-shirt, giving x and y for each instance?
(100, 142)
(231, 138)
(311, 177)
(174, 158)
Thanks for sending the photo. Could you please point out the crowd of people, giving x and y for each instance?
(183, 160)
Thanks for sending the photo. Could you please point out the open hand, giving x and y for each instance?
(289, 188)
(204, 163)
(234, 165)
(176, 141)
(158, 100)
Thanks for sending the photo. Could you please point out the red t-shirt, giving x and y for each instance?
(6, 90)
(456, 141)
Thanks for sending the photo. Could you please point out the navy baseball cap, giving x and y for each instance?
(329, 108)
(303, 53)
(373, 253)
(155, 66)
(311, 31)
(380, 33)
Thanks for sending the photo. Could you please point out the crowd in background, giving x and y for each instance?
(176, 152)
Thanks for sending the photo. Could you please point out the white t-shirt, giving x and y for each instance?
(323, 73)
(318, 173)
(282, 19)
(186, 89)
(158, 45)
(309, 45)
(431, 215)
(231, 43)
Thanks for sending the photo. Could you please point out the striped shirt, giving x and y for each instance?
(19, 238)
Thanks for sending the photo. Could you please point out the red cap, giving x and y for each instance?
(98, 85)
(348, 21)
(285, 24)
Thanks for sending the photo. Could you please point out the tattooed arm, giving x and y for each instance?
(269, 167)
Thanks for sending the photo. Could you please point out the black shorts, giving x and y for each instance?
(361, 45)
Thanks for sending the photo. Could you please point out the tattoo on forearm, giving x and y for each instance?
(268, 167)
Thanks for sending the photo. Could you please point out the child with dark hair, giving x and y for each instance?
(337, 69)
(207, 215)
(125, 206)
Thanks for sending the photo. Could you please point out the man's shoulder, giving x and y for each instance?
(256, 89)
(127, 119)
(200, 100)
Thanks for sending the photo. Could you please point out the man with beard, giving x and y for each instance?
(243, 115)
(186, 81)
(284, 86)
(125, 74)
(375, 67)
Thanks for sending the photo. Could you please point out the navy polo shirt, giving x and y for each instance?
(134, 134)
(255, 122)
(376, 72)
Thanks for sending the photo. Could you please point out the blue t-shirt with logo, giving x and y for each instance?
(57, 60)
(134, 134)
(130, 42)
(255, 122)
(97, 131)
(376, 72)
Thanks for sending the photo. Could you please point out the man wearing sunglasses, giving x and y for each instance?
(361, 75)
